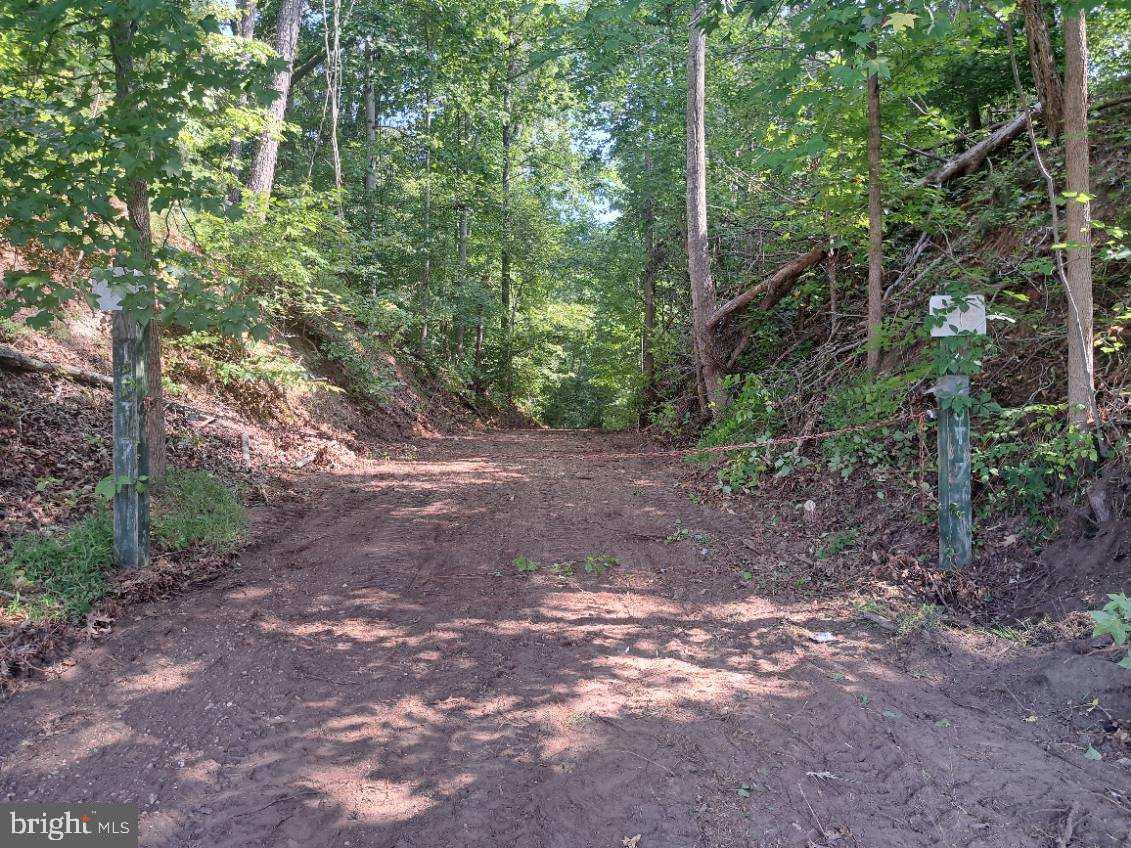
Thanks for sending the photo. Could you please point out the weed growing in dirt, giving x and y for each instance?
(1114, 620)
(58, 576)
(593, 564)
(598, 563)
(682, 533)
(927, 617)
(525, 566)
(835, 543)
(562, 569)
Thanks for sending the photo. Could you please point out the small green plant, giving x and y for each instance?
(562, 569)
(523, 565)
(1114, 620)
(598, 563)
(835, 543)
(679, 534)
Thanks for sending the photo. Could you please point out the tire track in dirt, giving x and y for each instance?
(367, 679)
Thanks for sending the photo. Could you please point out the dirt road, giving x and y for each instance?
(379, 674)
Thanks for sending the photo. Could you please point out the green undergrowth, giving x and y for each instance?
(1023, 458)
(57, 576)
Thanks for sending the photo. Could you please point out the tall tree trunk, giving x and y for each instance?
(1081, 378)
(371, 158)
(137, 209)
(875, 227)
(463, 234)
(477, 360)
(505, 353)
(426, 270)
(1043, 64)
(831, 277)
(648, 284)
(370, 137)
(331, 31)
(698, 246)
(261, 177)
(244, 27)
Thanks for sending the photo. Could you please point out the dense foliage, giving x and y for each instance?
(489, 187)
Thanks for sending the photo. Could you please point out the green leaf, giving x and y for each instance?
(900, 21)
(105, 489)
(1109, 624)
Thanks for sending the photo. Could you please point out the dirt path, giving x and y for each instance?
(367, 679)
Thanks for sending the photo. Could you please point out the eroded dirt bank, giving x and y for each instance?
(378, 674)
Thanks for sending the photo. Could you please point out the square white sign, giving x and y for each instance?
(966, 315)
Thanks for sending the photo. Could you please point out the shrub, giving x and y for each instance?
(750, 417)
(863, 402)
(1023, 456)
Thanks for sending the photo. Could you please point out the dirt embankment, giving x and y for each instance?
(378, 673)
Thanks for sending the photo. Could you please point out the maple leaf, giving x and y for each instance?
(900, 21)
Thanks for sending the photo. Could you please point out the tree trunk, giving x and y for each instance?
(698, 246)
(973, 157)
(831, 277)
(244, 27)
(261, 177)
(477, 360)
(1081, 379)
(1043, 64)
(370, 137)
(648, 283)
(875, 227)
(506, 382)
(137, 209)
(426, 270)
(463, 233)
(333, 43)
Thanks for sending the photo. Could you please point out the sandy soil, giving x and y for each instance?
(378, 674)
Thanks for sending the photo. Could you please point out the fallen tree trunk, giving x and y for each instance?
(772, 289)
(780, 283)
(13, 360)
(972, 158)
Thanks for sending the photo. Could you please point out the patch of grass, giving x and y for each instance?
(58, 576)
(194, 509)
(927, 617)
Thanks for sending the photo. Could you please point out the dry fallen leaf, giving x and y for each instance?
(631, 841)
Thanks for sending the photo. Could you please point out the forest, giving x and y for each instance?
(525, 378)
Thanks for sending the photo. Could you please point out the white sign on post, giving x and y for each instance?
(964, 315)
(111, 293)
